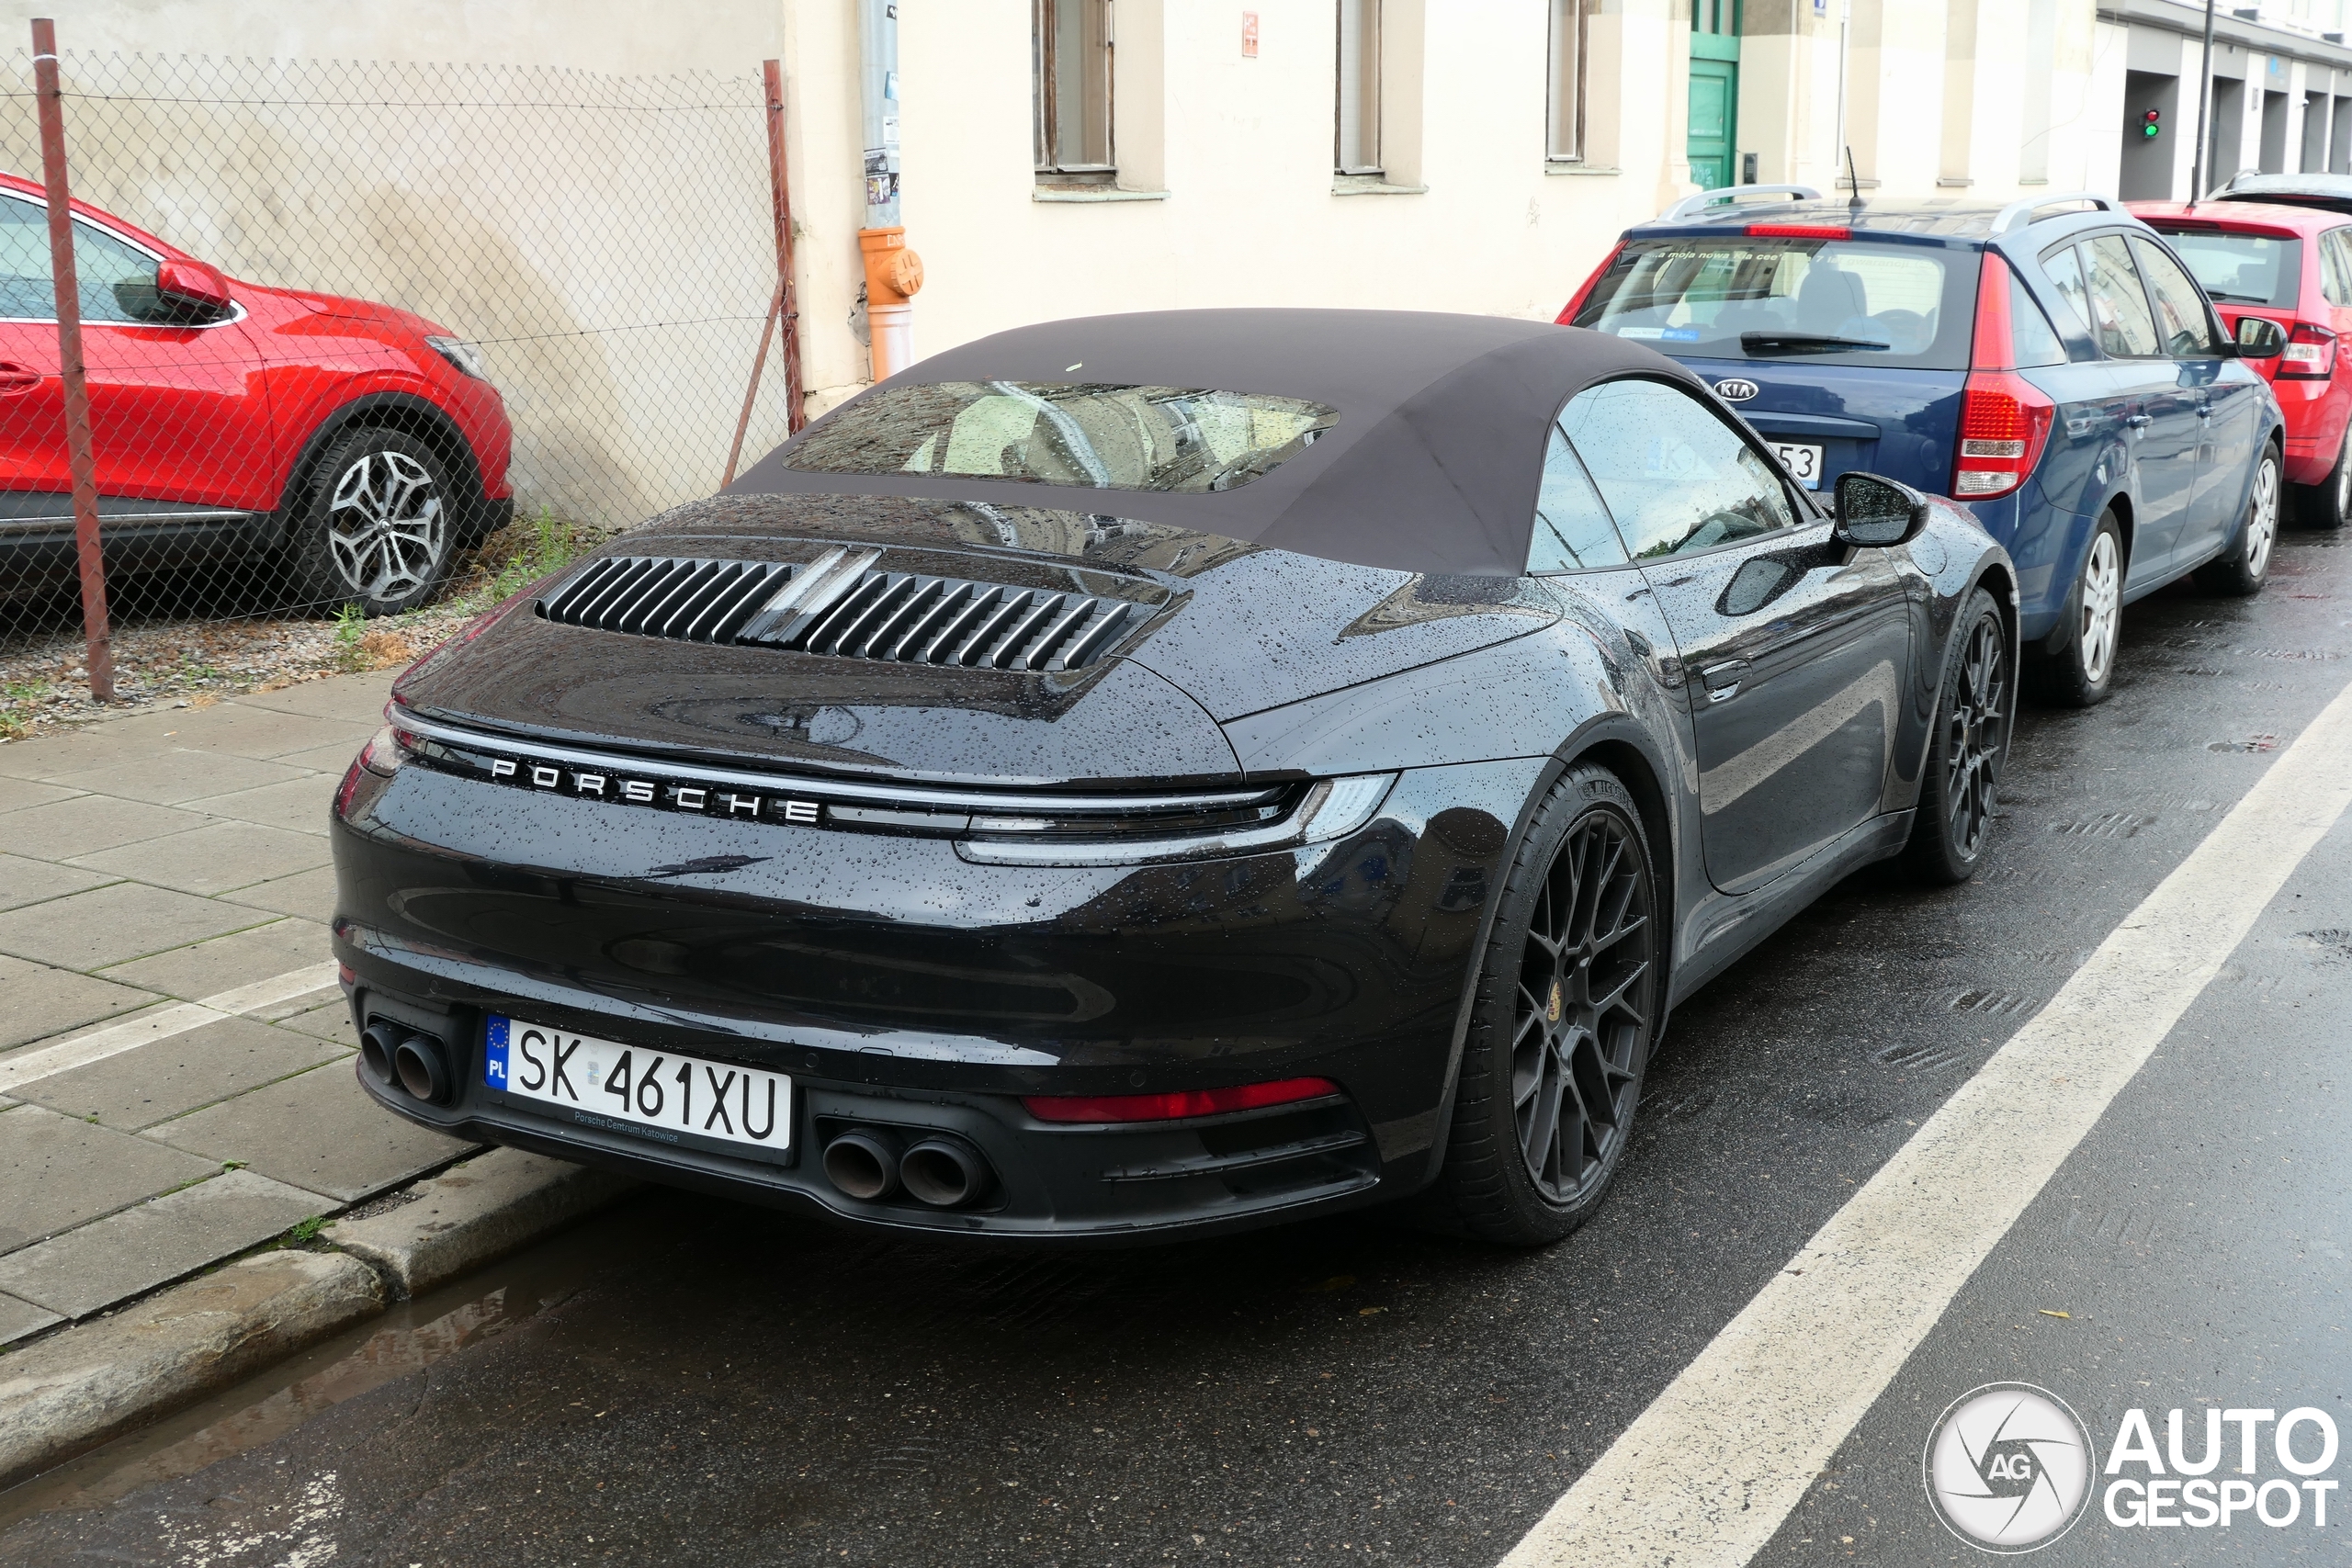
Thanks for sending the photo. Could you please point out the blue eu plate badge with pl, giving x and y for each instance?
(493, 1057)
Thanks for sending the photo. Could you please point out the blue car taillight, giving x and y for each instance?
(2004, 418)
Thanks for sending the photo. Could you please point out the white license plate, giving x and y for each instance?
(1803, 463)
(656, 1094)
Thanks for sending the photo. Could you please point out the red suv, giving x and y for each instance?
(358, 446)
(2293, 265)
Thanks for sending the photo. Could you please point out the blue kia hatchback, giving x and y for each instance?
(2050, 363)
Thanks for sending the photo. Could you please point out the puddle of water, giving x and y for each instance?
(388, 1353)
(406, 1340)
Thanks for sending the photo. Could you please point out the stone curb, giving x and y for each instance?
(74, 1390)
(472, 1214)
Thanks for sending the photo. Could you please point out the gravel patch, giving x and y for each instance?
(192, 662)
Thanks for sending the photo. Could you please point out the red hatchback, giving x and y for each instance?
(2292, 265)
(358, 446)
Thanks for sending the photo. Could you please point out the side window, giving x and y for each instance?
(2120, 312)
(2030, 335)
(26, 289)
(117, 283)
(2064, 267)
(2182, 322)
(1676, 479)
(1572, 527)
(2335, 265)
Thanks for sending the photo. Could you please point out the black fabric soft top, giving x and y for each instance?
(1432, 465)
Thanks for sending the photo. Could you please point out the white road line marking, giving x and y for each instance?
(113, 1040)
(1704, 1476)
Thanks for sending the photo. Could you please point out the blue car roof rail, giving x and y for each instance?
(2017, 214)
(1691, 205)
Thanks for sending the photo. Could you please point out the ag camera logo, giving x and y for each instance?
(2009, 1467)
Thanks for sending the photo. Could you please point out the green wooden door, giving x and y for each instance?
(1713, 125)
(1711, 135)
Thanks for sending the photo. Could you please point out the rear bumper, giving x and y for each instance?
(902, 988)
(1049, 1182)
(2315, 414)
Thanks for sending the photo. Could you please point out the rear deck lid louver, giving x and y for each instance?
(842, 604)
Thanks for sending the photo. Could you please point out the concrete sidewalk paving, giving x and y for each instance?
(176, 1074)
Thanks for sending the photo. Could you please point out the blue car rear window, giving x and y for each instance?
(1754, 296)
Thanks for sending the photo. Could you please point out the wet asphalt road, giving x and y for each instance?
(686, 1381)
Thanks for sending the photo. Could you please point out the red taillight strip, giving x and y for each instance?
(1177, 1105)
(1799, 231)
(1567, 316)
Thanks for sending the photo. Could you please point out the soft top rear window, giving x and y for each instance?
(1084, 433)
(2240, 269)
(1754, 296)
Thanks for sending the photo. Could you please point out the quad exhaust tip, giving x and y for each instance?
(872, 1165)
(943, 1172)
(864, 1163)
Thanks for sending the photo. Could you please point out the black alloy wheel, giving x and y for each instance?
(1970, 745)
(1566, 1011)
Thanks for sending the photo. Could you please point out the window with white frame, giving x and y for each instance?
(1357, 141)
(1563, 133)
(1070, 57)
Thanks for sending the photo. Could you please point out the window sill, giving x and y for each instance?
(1581, 169)
(1093, 193)
(1372, 184)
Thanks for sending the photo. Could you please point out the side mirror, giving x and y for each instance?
(2259, 337)
(186, 283)
(1876, 512)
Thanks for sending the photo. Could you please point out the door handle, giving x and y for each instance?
(1723, 680)
(16, 378)
(2139, 421)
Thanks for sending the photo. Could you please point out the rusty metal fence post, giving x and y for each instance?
(788, 309)
(99, 656)
(784, 306)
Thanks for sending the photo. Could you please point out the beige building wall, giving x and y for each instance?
(1226, 164)
(1225, 194)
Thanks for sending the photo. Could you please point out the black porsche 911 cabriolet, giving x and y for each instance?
(1156, 774)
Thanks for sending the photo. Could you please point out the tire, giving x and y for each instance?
(1970, 745)
(1565, 1010)
(2080, 674)
(377, 527)
(2327, 503)
(2239, 570)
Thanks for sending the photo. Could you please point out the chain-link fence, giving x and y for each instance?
(289, 456)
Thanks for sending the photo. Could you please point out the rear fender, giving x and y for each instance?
(1618, 743)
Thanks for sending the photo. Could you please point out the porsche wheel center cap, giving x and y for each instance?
(1552, 1009)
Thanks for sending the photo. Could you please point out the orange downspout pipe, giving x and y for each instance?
(893, 273)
